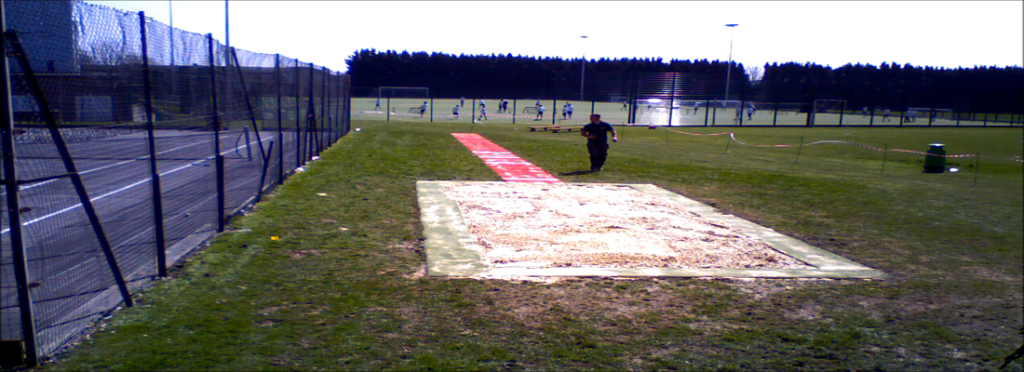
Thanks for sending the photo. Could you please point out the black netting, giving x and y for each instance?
(261, 115)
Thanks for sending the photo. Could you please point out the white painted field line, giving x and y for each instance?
(79, 205)
(113, 165)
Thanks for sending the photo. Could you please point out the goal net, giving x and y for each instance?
(933, 113)
(402, 92)
(530, 110)
(829, 106)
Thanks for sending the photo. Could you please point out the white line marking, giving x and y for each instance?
(113, 165)
(79, 205)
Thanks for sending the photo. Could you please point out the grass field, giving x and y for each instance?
(327, 273)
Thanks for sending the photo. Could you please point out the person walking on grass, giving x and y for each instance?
(455, 112)
(483, 113)
(597, 141)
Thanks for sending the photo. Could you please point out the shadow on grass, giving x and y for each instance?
(576, 173)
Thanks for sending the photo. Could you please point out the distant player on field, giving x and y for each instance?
(462, 101)
(483, 112)
(423, 108)
(378, 105)
(540, 112)
(565, 111)
(455, 112)
(911, 115)
(569, 109)
(504, 106)
(750, 112)
(885, 114)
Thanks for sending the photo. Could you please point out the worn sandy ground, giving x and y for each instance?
(527, 225)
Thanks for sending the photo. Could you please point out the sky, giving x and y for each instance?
(946, 34)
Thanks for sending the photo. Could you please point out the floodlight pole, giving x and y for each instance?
(728, 69)
(583, 70)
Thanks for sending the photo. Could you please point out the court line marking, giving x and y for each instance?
(79, 205)
(114, 165)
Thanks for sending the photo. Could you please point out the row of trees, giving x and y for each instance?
(989, 89)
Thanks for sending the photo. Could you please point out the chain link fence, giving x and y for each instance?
(658, 99)
(128, 144)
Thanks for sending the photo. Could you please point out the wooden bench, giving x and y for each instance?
(565, 129)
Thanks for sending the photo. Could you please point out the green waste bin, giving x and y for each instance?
(935, 160)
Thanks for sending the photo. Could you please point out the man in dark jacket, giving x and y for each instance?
(597, 141)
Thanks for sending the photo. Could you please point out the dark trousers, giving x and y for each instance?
(598, 154)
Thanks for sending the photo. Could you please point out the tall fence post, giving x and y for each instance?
(348, 103)
(671, 103)
(280, 120)
(707, 107)
(323, 110)
(775, 115)
(298, 115)
(158, 205)
(218, 159)
(10, 184)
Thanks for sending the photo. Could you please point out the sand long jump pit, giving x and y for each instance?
(512, 229)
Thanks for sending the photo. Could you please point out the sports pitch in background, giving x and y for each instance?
(649, 112)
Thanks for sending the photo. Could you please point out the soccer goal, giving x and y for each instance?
(933, 113)
(829, 106)
(384, 92)
(530, 110)
(414, 110)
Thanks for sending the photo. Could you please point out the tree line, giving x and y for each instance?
(981, 88)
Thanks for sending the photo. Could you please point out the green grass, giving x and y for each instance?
(342, 287)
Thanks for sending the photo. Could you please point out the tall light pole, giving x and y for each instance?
(583, 69)
(729, 68)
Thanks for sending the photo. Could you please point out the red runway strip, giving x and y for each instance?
(509, 166)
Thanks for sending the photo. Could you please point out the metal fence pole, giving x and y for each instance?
(298, 116)
(158, 206)
(671, 102)
(348, 103)
(554, 114)
(10, 183)
(280, 120)
(775, 115)
(321, 129)
(219, 160)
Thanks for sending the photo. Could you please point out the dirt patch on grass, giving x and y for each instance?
(542, 226)
(304, 253)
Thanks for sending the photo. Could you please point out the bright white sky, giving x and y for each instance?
(923, 33)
